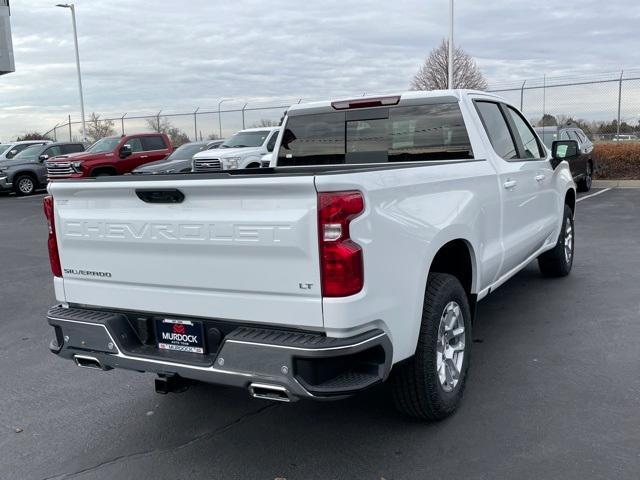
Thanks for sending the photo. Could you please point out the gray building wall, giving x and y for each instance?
(7, 64)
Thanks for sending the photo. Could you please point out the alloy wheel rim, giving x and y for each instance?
(568, 241)
(451, 346)
(25, 185)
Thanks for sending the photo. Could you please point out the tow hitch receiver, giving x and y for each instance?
(171, 384)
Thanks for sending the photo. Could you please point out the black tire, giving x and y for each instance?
(102, 174)
(555, 263)
(24, 185)
(417, 389)
(253, 165)
(584, 185)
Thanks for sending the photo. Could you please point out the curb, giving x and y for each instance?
(616, 184)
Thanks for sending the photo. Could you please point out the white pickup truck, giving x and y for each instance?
(245, 149)
(360, 257)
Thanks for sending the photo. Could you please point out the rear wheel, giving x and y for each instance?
(584, 185)
(558, 261)
(24, 185)
(430, 384)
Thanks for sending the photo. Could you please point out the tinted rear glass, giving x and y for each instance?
(397, 134)
(73, 148)
(153, 143)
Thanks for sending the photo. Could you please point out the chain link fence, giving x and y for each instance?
(606, 106)
(197, 124)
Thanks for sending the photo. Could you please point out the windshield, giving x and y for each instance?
(4, 147)
(32, 151)
(246, 139)
(185, 152)
(104, 145)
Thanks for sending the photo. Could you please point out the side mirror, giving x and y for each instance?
(563, 150)
(12, 153)
(125, 150)
(43, 157)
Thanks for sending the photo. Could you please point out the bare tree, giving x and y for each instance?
(163, 125)
(97, 129)
(32, 136)
(433, 74)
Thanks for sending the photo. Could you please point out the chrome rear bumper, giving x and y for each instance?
(302, 364)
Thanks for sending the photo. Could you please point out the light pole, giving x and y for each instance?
(75, 39)
(219, 117)
(450, 76)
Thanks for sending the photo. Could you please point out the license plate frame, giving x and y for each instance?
(174, 335)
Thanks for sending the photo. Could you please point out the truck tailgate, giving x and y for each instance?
(242, 249)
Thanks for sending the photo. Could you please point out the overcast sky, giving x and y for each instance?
(143, 55)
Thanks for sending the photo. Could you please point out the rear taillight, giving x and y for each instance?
(54, 256)
(341, 264)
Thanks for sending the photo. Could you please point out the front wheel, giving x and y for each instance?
(24, 185)
(430, 384)
(558, 261)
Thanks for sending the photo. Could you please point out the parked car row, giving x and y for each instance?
(27, 166)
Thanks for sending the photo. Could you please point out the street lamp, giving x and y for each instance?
(75, 39)
(450, 76)
(219, 117)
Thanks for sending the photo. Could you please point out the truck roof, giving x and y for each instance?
(404, 98)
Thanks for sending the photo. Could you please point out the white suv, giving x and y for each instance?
(245, 149)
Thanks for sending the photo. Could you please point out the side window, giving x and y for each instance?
(497, 129)
(53, 151)
(136, 144)
(272, 142)
(564, 135)
(18, 148)
(153, 143)
(73, 148)
(530, 145)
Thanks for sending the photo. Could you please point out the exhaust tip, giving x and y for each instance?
(269, 392)
(85, 361)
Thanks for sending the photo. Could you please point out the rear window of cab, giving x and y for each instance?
(376, 135)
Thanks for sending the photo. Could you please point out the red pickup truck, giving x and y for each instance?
(111, 156)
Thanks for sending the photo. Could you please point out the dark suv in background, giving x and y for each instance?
(27, 171)
(582, 165)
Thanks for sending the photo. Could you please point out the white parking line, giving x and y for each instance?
(37, 195)
(593, 195)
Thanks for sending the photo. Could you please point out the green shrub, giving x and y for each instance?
(617, 160)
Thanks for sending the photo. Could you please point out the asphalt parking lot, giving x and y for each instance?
(554, 390)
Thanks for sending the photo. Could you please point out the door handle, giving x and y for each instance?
(143, 156)
(510, 184)
(540, 178)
